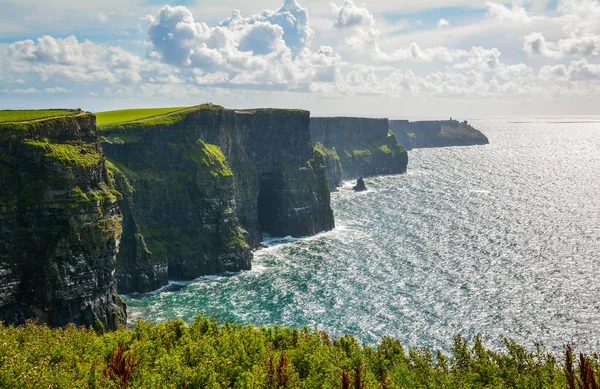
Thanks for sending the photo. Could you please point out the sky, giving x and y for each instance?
(377, 58)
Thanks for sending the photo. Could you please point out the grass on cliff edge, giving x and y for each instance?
(130, 115)
(27, 115)
(206, 354)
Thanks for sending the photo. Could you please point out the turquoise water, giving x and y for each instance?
(500, 240)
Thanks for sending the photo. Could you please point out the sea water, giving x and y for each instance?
(500, 240)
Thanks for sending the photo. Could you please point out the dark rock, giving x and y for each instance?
(205, 187)
(360, 185)
(60, 226)
(363, 146)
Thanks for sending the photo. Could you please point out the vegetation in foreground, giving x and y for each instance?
(206, 354)
(130, 115)
(27, 115)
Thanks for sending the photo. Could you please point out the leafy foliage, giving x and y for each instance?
(206, 354)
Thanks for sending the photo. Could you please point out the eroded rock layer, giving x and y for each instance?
(201, 187)
(364, 146)
(60, 225)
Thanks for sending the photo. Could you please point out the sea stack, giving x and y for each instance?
(360, 185)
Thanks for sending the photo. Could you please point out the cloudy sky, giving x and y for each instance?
(426, 58)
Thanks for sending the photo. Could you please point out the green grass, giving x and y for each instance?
(80, 155)
(27, 115)
(210, 157)
(175, 115)
(325, 152)
(206, 354)
(130, 115)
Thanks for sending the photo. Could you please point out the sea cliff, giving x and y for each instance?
(364, 147)
(201, 186)
(443, 133)
(60, 225)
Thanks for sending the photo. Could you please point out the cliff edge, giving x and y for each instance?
(202, 185)
(363, 146)
(60, 225)
(444, 133)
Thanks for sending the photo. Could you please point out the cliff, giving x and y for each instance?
(364, 146)
(200, 186)
(445, 133)
(60, 225)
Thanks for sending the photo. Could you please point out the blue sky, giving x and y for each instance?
(428, 58)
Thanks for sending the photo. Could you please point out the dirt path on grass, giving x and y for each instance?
(75, 114)
(150, 117)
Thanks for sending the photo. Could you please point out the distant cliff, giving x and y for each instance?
(201, 186)
(364, 146)
(59, 225)
(444, 133)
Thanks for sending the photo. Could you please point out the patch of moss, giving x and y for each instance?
(390, 146)
(385, 149)
(76, 154)
(325, 152)
(210, 157)
(121, 138)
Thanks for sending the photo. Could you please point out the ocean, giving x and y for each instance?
(500, 240)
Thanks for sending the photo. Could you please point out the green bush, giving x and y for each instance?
(206, 354)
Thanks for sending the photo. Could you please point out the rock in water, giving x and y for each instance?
(360, 185)
(353, 147)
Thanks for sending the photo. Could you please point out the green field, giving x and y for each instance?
(206, 354)
(27, 115)
(130, 115)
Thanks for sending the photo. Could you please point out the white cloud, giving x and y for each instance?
(515, 15)
(535, 44)
(278, 51)
(57, 89)
(68, 59)
(270, 50)
(32, 90)
(580, 20)
(350, 15)
(582, 70)
(443, 23)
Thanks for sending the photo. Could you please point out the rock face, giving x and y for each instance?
(333, 165)
(202, 187)
(446, 133)
(60, 226)
(360, 185)
(364, 146)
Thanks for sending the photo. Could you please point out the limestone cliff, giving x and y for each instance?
(60, 225)
(364, 146)
(202, 185)
(444, 133)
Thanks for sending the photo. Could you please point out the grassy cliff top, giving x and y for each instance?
(31, 115)
(134, 118)
(131, 115)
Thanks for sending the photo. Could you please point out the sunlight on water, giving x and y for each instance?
(501, 240)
